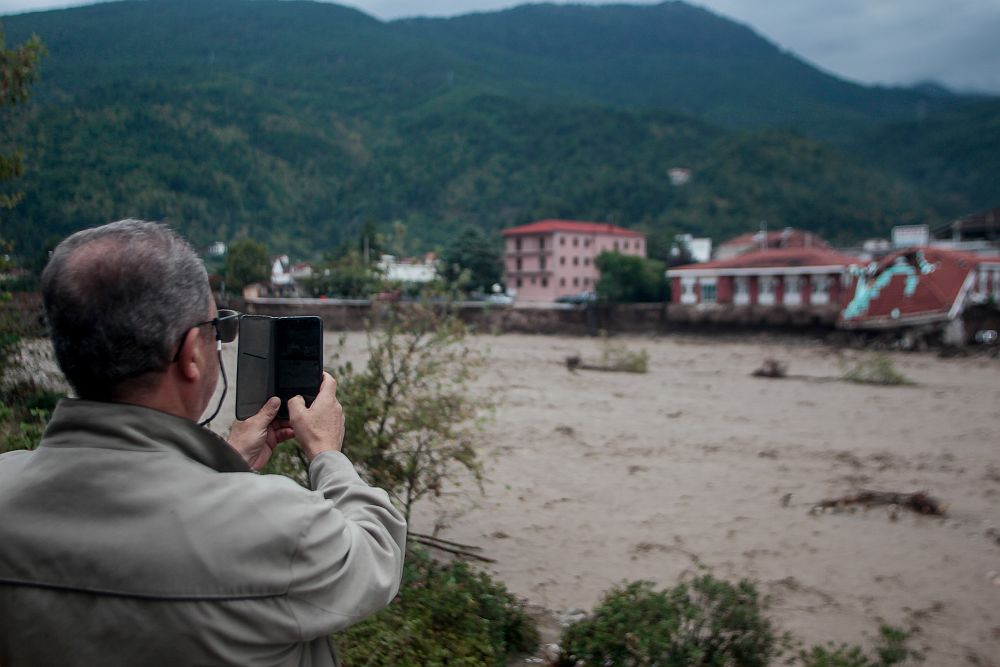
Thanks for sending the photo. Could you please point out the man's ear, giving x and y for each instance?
(192, 357)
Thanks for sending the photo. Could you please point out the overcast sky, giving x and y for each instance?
(954, 42)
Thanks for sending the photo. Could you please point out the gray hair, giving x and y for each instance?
(118, 299)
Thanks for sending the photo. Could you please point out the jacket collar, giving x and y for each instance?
(80, 423)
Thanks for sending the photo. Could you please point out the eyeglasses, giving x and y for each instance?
(226, 323)
(227, 326)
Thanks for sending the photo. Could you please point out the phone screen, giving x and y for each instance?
(298, 359)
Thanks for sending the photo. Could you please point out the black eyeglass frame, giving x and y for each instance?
(226, 324)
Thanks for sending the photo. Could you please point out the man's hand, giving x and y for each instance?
(320, 427)
(256, 437)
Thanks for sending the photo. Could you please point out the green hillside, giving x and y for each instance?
(296, 122)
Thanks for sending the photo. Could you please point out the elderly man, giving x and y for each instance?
(132, 535)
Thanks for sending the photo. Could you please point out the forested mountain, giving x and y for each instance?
(298, 121)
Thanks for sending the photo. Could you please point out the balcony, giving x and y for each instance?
(532, 252)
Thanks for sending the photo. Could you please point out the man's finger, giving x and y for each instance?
(282, 434)
(296, 406)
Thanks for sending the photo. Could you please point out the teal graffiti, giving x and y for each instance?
(865, 292)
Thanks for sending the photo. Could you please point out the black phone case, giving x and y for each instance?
(256, 375)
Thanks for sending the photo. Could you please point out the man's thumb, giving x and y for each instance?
(270, 409)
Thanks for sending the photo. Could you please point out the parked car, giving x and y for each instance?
(500, 299)
(582, 297)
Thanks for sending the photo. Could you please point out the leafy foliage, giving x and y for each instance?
(474, 258)
(346, 277)
(247, 262)
(891, 650)
(446, 614)
(18, 70)
(630, 279)
(616, 356)
(299, 123)
(412, 416)
(707, 622)
(877, 369)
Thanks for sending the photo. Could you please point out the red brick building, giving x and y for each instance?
(795, 277)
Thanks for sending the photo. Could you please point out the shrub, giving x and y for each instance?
(445, 614)
(877, 369)
(706, 622)
(616, 356)
(891, 650)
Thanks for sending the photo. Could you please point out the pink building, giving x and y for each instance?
(551, 258)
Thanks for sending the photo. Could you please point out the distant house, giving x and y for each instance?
(920, 286)
(984, 226)
(407, 270)
(787, 238)
(796, 277)
(552, 258)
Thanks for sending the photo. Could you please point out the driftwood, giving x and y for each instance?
(920, 502)
(771, 368)
(575, 363)
(456, 548)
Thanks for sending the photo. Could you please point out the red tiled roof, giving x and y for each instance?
(775, 258)
(572, 226)
(934, 294)
(794, 238)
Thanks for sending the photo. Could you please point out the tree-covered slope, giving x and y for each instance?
(297, 122)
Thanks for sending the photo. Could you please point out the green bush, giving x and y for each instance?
(445, 614)
(891, 650)
(878, 369)
(707, 622)
(616, 356)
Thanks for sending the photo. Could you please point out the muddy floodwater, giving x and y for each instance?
(595, 478)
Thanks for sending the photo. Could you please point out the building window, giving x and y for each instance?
(616, 246)
(626, 245)
(708, 290)
(586, 261)
(545, 282)
(576, 261)
(518, 262)
(576, 241)
(520, 283)
(541, 263)
(562, 282)
(586, 281)
(576, 282)
(517, 243)
(562, 240)
(541, 243)
(532, 280)
(562, 261)
(792, 285)
(586, 243)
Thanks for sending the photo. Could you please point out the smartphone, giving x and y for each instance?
(277, 356)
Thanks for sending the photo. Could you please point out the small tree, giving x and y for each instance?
(412, 416)
(473, 252)
(630, 279)
(247, 262)
(18, 70)
(346, 277)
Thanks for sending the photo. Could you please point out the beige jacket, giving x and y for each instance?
(133, 537)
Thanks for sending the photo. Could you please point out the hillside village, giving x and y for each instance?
(927, 286)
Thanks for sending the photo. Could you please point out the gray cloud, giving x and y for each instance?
(953, 42)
